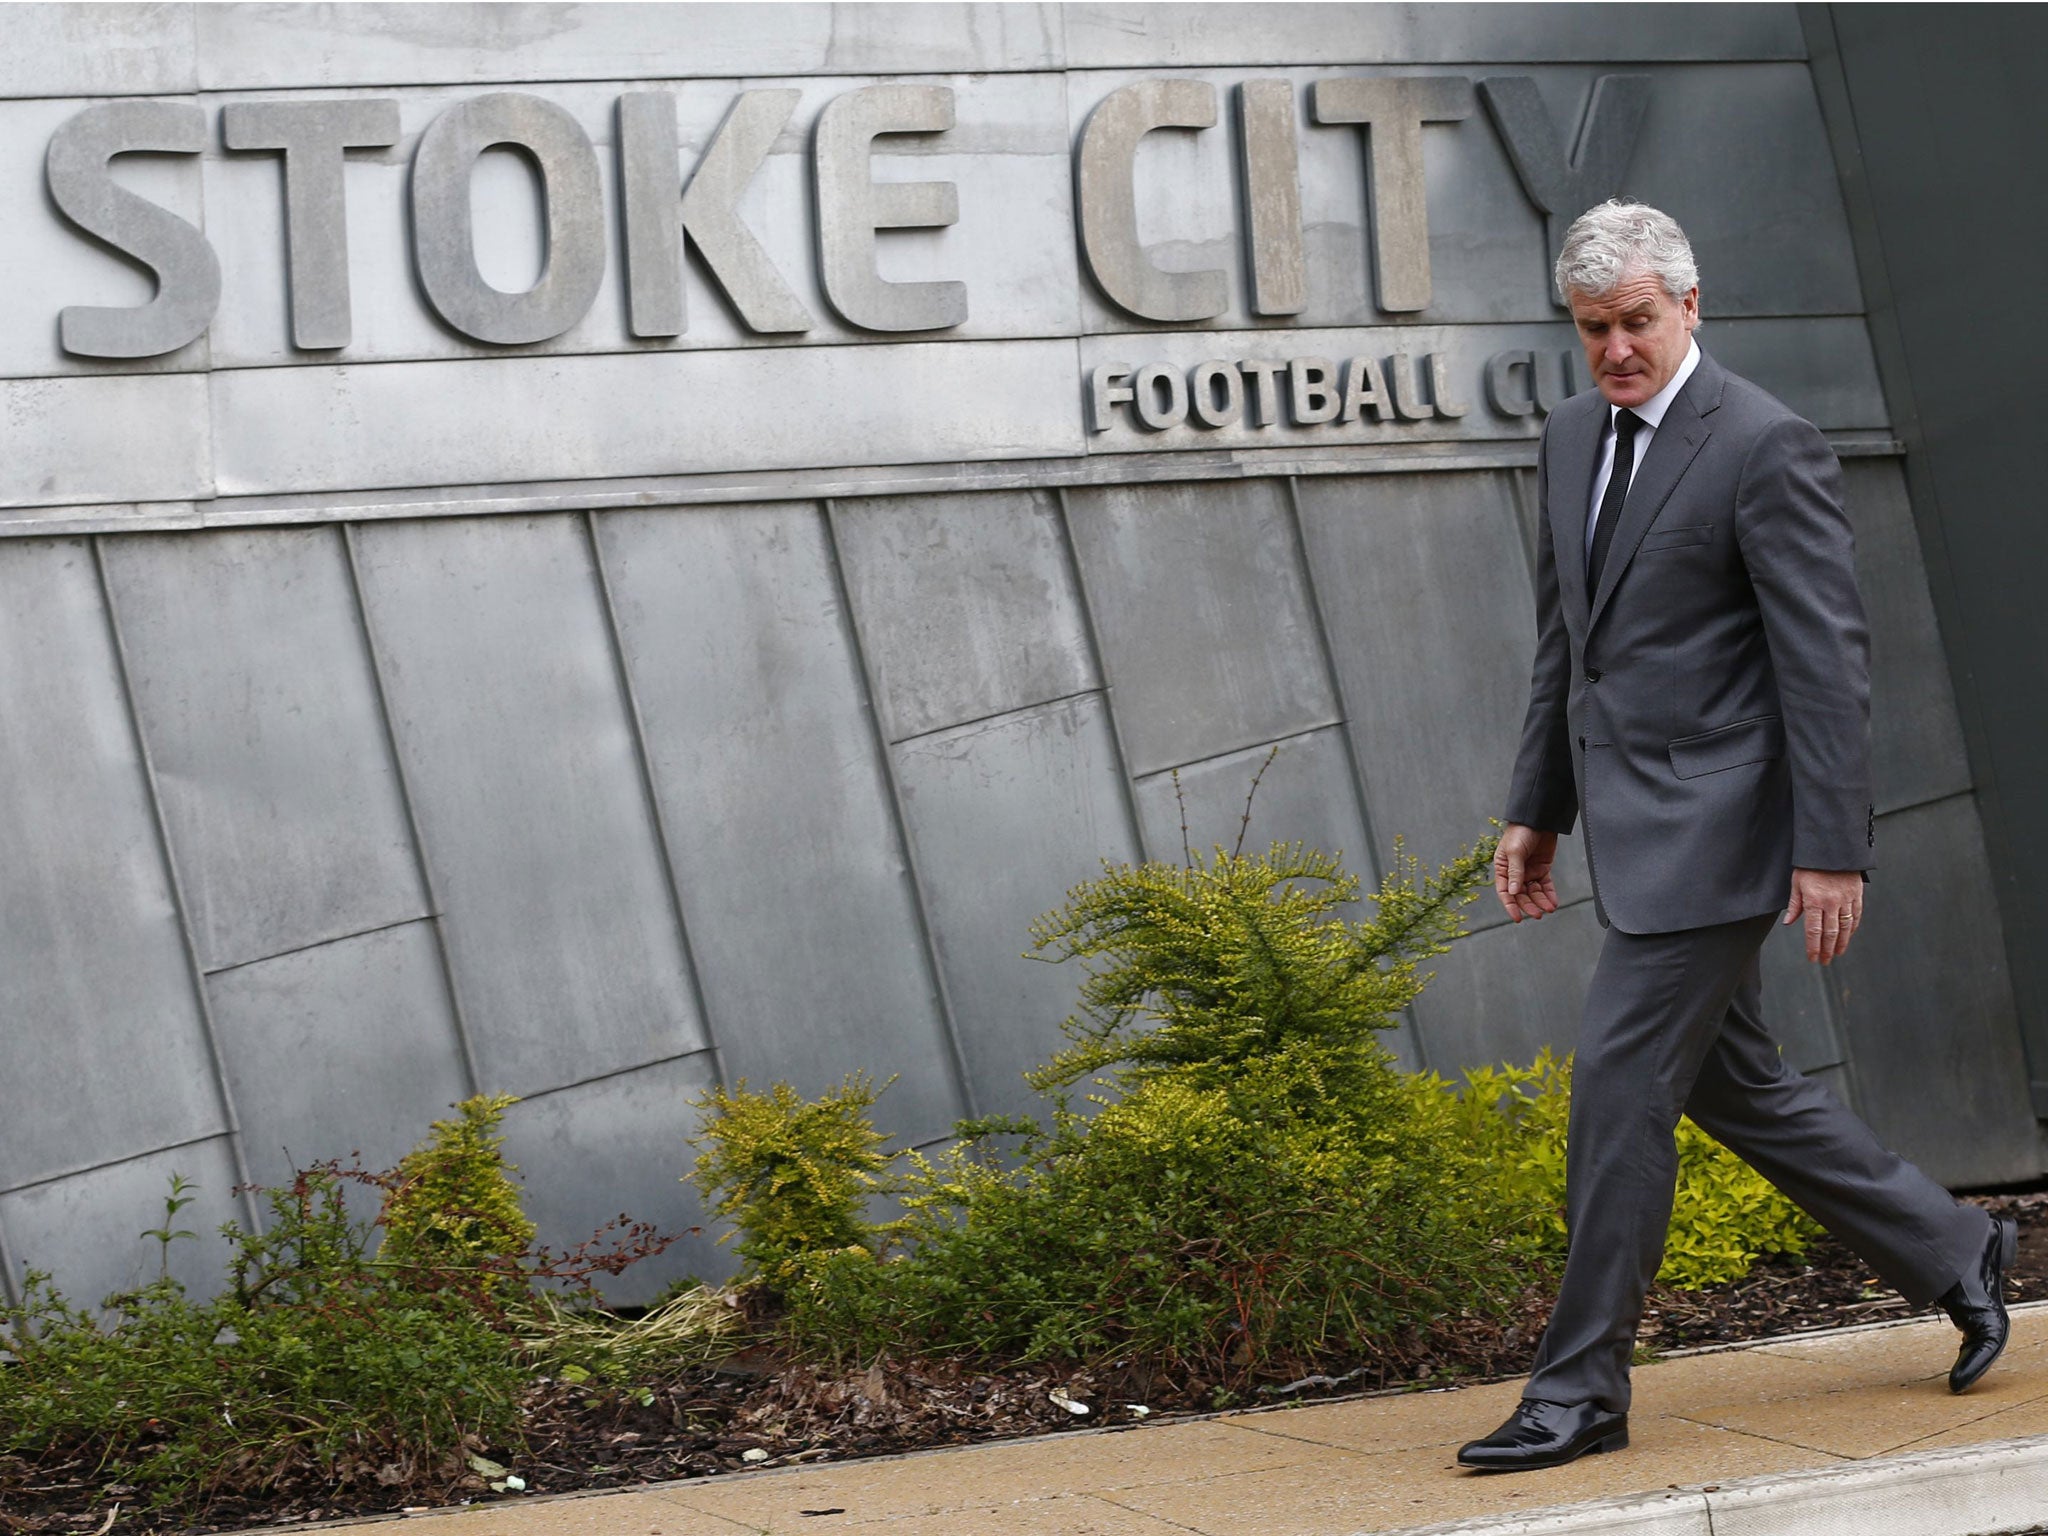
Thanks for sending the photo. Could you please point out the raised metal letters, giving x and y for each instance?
(1270, 160)
(1312, 390)
(1563, 189)
(711, 213)
(852, 206)
(1108, 206)
(444, 243)
(1394, 111)
(1410, 403)
(1203, 402)
(1502, 392)
(650, 175)
(187, 271)
(1109, 385)
(314, 136)
(1365, 389)
(1152, 411)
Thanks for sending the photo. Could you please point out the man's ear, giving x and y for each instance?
(1691, 304)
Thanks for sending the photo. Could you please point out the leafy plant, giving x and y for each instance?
(1724, 1213)
(793, 1176)
(453, 1204)
(1258, 1184)
(315, 1365)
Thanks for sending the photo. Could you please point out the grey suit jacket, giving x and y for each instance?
(1707, 709)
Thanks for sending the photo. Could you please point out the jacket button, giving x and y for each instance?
(1592, 674)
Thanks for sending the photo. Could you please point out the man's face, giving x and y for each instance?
(1635, 337)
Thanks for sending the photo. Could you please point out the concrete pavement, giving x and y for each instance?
(1808, 1435)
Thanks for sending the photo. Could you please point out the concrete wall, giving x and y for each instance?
(601, 718)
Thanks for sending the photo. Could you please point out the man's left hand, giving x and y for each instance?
(1832, 900)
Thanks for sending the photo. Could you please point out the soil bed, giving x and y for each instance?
(707, 1422)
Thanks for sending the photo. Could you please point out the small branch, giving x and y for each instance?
(1245, 824)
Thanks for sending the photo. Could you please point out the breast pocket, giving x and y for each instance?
(1676, 538)
(1755, 740)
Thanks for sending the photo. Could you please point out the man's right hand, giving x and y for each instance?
(1521, 871)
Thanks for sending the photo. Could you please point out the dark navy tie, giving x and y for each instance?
(1625, 424)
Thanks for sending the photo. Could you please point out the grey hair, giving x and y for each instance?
(1616, 240)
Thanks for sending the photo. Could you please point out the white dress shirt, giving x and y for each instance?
(1652, 412)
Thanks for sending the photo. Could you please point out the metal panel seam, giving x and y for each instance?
(337, 938)
(84, 1169)
(177, 885)
(995, 714)
(1344, 721)
(1126, 786)
(605, 1077)
(412, 821)
(956, 1058)
(9, 1291)
(663, 846)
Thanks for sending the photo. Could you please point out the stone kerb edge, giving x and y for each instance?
(1997, 1486)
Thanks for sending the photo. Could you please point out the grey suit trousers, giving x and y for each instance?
(1673, 1025)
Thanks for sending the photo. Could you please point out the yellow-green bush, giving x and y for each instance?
(451, 1204)
(793, 1176)
(1724, 1215)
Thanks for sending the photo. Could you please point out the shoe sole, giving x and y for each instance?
(2008, 1253)
(1615, 1442)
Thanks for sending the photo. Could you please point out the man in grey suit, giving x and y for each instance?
(1700, 697)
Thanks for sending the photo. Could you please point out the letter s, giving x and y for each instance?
(187, 271)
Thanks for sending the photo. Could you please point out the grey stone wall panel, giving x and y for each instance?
(791, 874)
(1927, 1004)
(255, 692)
(275, 47)
(1798, 1010)
(1916, 743)
(1006, 814)
(1421, 578)
(1131, 36)
(105, 1054)
(543, 418)
(85, 1230)
(593, 1152)
(1207, 638)
(117, 49)
(966, 605)
(504, 697)
(341, 1048)
(1503, 993)
(129, 438)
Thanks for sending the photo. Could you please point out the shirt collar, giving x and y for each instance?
(1652, 410)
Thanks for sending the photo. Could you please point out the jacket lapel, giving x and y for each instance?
(1577, 456)
(1678, 440)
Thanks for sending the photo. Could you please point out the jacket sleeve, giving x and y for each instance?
(1801, 555)
(1543, 794)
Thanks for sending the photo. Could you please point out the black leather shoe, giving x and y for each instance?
(1540, 1434)
(1977, 1304)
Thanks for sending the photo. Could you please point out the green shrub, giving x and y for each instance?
(1724, 1215)
(452, 1204)
(794, 1177)
(1259, 1185)
(315, 1365)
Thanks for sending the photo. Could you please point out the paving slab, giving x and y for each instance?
(1789, 1436)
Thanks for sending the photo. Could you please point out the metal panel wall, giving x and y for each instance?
(254, 689)
(777, 812)
(105, 1054)
(505, 697)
